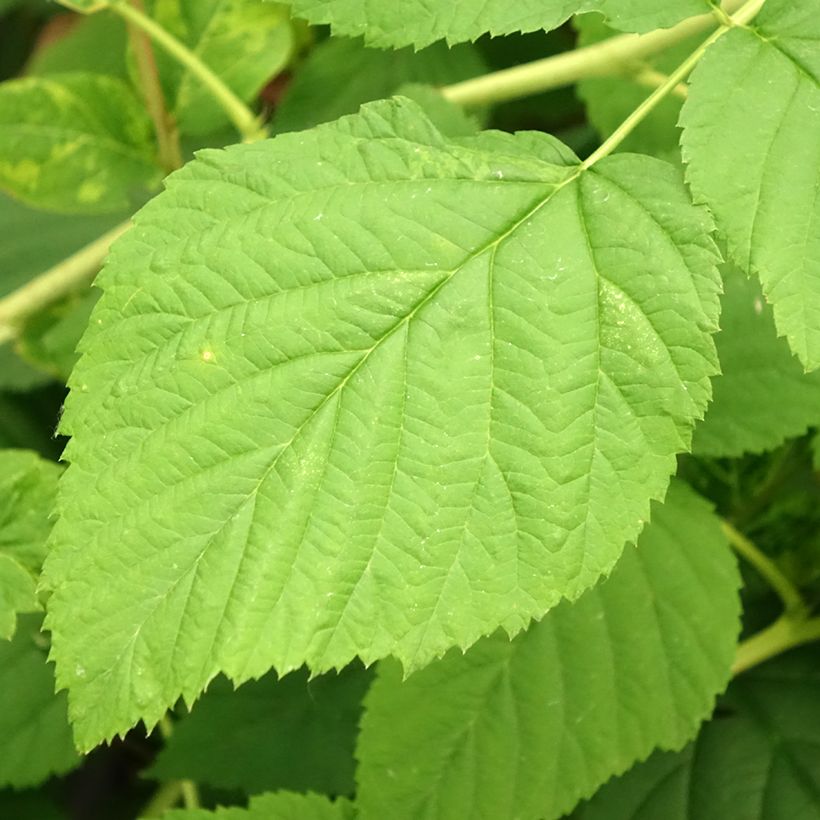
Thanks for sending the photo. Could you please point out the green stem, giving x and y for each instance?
(245, 121)
(787, 632)
(170, 155)
(793, 603)
(617, 55)
(650, 78)
(640, 113)
(72, 273)
(166, 797)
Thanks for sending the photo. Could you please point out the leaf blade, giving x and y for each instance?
(488, 494)
(764, 85)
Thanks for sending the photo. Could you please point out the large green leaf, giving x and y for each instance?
(74, 142)
(759, 759)
(28, 490)
(752, 141)
(526, 728)
(271, 734)
(340, 74)
(245, 42)
(364, 390)
(279, 806)
(35, 738)
(762, 396)
(421, 22)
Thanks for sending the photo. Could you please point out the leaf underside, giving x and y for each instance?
(365, 390)
(525, 728)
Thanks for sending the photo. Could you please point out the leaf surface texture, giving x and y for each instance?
(526, 728)
(363, 391)
(758, 759)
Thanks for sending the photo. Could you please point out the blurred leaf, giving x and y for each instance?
(280, 806)
(49, 340)
(245, 42)
(35, 738)
(271, 734)
(340, 74)
(28, 420)
(95, 43)
(450, 119)
(76, 143)
(28, 491)
(33, 241)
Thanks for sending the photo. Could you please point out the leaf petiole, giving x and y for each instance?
(787, 632)
(64, 278)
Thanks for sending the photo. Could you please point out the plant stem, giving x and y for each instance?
(166, 797)
(245, 121)
(69, 275)
(787, 632)
(170, 155)
(638, 115)
(617, 55)
(787, 592)
(650, 78)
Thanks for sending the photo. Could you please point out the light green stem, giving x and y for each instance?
(166, 797)
(245, 121)
(640, 113)
(787, 592)
(617, 55)
(63, 279)
(785, 633)
(650, 78)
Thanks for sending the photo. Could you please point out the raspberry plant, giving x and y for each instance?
(419, 413)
